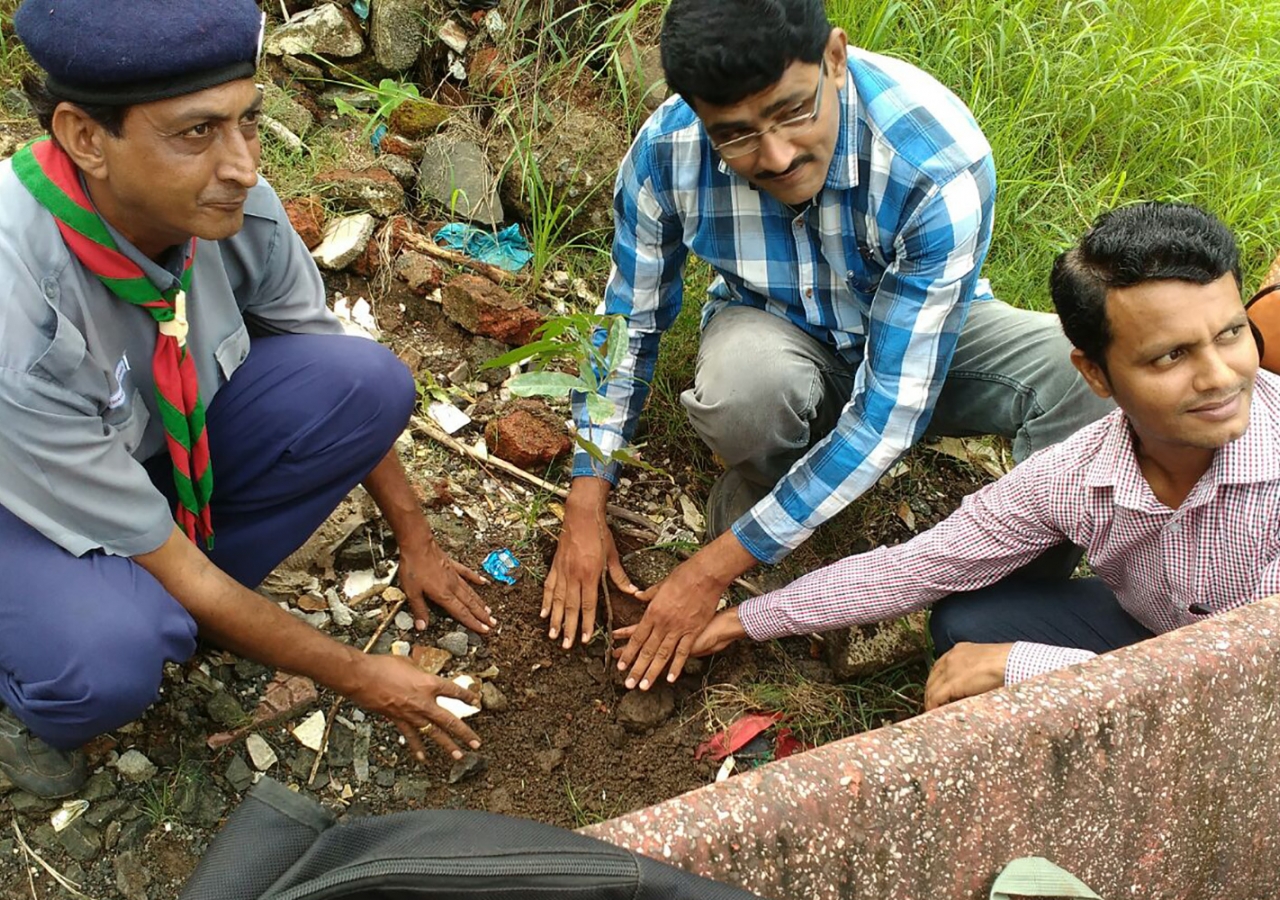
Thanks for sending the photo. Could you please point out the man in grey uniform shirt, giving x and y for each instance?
(162, 322)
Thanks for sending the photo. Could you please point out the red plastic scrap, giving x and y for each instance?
(737, 735)
(785, 744)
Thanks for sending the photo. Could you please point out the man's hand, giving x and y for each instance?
(680, 607)
(723, 630)
(586, 547)
(392, 686)
(428, 573)
(965, 671)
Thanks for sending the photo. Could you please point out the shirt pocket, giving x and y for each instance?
(232, 352)
(129, 421)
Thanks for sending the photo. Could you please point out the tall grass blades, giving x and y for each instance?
(1096, 103)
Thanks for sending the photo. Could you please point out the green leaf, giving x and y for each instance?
(627, 458)
(536, 350)
(599, 407)
(592, 450)
(546, 384)
(618, 342)
(344, 108)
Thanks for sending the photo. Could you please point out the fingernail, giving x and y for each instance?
(457, 754)
(484, 627)
(568, 642)
(421, 757)
(552, 634)
(670, 678)
(622, 666)
(493, 621)
(644, 685)
(544, 613)
(474, 745)
(631, 682)
(420, 625)
(488, 609)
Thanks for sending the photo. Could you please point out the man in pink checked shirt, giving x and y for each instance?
(1175, 495)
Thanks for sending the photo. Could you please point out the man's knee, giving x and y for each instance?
(376, 380)
(110, 672)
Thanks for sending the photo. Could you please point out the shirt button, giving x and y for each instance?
(808, 292)
(1174, 527)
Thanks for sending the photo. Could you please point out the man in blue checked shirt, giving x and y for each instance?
(845, 200)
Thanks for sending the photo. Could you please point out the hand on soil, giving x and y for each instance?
(724, 629)
(430, 574)
(394, 687)
(680, 608)
(572, 587)
(965, 671)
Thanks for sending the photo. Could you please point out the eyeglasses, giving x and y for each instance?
(750, 143)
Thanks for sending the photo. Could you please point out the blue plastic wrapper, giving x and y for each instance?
(506, 249)
(500, 564)
(361, 9)
(376, 138)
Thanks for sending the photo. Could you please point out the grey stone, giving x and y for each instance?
(277, 103)
(323, 30)
(132, 834)
(225, 710)
(374, 189)
(100, 786)
(576, 162)
(341, 747)
(344, 241)
(81, 841)
(21, 801)
(549, 760)
(455, 642)
(471, 765)
(5, 784)
(238, 774)
(302, 68)
(474, 639)
(44, 837)
(396, 32)
(111, 836)
(99, 814)
(493, 699)
(135, 766)
(132, 877)
(412, 789)
(499, 801)
(616, 735)
(456, 175)
(385, 778)
(638, 711)
(400, 167)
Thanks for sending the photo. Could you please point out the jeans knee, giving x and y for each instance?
(946, 625)
(744, 414)
(378, 384)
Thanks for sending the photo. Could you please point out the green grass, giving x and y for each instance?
(1097, 103)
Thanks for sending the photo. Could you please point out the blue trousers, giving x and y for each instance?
(83, 640)
(1081, 613)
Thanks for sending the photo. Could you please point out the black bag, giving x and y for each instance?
(279, 845)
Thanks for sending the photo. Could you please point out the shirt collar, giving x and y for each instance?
(1115, 465)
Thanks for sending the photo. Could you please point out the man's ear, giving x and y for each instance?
(837, 53)
(1092, 373)
(82, 138)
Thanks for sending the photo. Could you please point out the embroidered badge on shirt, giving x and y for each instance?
(116, 400)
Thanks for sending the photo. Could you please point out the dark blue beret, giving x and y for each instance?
(121, 52)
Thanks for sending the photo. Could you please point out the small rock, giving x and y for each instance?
(471, 765)
(310, 733)
(461, 373)
(135, 767)
(344, 240)
(483, 308)
(374, 189)
(473, 638)
(225, 710)
(307, 215)
(422, 273)
(499, 801)
(5, 784)
(411, 789)
(341, 613)
(385, 778)
(493, 699)
(100, 786)
(238, 774)
(453, 37)
(132, 877)
(638, 711)
(418, 118)
(134, 833)
(456, 175)
(616, 735)
(284, 109)
(404, 620)
(360, 752)
(549, 760)
(530, 437)
(405, 171)
(489, 74)
(99, 814)
(455, 642)
(396, 32)
(302, 68)
(341, 750)
(81, 841)
(21, 801)
(260, 752)
(431, 659)
(323, 31)
(111, 836)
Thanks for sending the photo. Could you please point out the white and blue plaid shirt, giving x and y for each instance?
(881, 267)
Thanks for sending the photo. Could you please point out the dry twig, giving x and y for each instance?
(493, 273)
(70, 886)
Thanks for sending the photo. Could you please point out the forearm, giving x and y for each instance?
(244, 622)
(389, 487)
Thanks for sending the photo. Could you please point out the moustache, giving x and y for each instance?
(767, 174)
(1217, 399)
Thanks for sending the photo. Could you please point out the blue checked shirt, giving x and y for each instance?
(881, 267)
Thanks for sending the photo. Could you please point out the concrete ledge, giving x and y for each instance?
(1150, 773)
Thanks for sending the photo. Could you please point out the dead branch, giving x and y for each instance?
(493, 273)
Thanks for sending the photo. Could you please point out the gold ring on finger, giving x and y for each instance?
(427, 729)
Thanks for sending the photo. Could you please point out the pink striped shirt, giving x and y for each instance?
(1220, 549)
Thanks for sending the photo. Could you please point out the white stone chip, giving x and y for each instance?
(311, 732)
(260, 752)
(457, 707)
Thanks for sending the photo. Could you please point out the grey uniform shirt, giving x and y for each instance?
(78, 410)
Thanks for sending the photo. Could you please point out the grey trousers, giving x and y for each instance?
(765, 391)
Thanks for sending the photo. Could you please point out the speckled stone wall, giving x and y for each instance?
(1149, 773)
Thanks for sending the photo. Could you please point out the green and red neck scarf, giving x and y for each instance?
(52, 178)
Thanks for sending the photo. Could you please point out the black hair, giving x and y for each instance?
(722, 51)
(44, 101)
(1128, 246)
